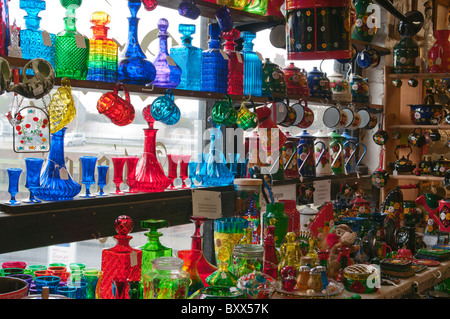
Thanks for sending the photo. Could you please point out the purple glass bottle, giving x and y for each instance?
(168, 73)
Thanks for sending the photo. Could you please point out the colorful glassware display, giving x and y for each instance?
(33, 168)
(270, 264)
(88, 173)
(235, 63)
(150, 176)
(4, 27)
(153, 248)
(252, 66)
(120, 263)
(276, 216)
(102, 61)
(102, 171)
(13, 187)
(71, 47)
(247, 205)
(119, 164)
(228, 231)
(168, 73)
(166, 280)
(56, 182)
(134, 68)
(191, 258)
(34, 42)
(189, 59)
(439, 54)
(214, 65)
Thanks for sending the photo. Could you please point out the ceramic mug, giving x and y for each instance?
(354, 119)
(334, 117)
(308, 117)
(299, 111)
(283, 114)
(368, 58)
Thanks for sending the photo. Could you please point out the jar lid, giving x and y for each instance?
(304, 269)
(167, 263)
(247, 181)
(248, 251)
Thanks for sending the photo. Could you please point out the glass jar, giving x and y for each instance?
(315, 280)
(303, 278)
(167, 280)
(247, 258)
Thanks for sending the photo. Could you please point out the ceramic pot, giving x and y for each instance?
(439, 54)
(406, 56)
(296, 81)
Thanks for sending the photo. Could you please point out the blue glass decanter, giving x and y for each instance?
(252, 66)
(215, 67)
(134, 68)
(189, 58)
(32, 37)
(56, 182)
(168, 73)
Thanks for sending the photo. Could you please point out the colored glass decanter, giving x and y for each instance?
(4, 28)
(33, 41)
(134, 68)
(215, 67)
(56, 183)
(235, 83)
(270, 263)
(121, 263)
(71, 48)
(216, 171)
(222, 276)
(102, 63)
(150, 176)
(204, 267)
(252, 66)
(153, 248)
(168, 73)
(189, 59)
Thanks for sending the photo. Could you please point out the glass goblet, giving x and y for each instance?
(88, 173)
(33, 166)
(102, 171)
(13, 188)
(119, 163)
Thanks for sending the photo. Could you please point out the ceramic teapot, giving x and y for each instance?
(319, 84)
(404, 164)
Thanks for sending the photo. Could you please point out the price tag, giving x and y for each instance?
(133, 259)
(80, 41)
(224, 54)
(38, 90)
(170, 60)
(63, 173)
(239, 57)
(260, 56)
(46, 38)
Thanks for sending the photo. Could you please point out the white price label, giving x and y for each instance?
(133, 259)
(224, 54)
(80, 41)
(63, 173)
(46, 38)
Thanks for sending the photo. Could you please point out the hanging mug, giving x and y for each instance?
(308, 116)
(223, 112)
(165, 110)
(189, 9)
(416, 139)
(246, 119)
(283, 114)
(334, 117)
(368, 58)
(299, 112)
(120, 111)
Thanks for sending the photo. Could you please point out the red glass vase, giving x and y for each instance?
(235, 63)
(439, 54)
(121, 263)
(191, 258)
(290, 208)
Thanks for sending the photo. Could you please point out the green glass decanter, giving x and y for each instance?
(71, 48)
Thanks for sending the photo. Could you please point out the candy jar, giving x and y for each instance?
(247, 204)
(235, 63)
(247, 258)
(215, 66)
(270, 263)
(276, 216)
(303, 278)
(168, 75)
(166, 280)
(252, 66)
(121, 263)
(315, 280)
(189, 59)
(134, 68)
(71, 47)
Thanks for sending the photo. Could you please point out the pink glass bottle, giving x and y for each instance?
(150, 176)
(270, 263)
(235, 63)
(120, 264)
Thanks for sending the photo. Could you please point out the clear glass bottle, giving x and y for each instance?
(32, 37)
(167, 280)
(252, 66)
(121, 263)
(235, 63)
(214, 65)
(168, 75)
(189, 59)
(102, 63)
(71, 47)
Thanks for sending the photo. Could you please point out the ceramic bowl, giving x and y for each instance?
(13, 288)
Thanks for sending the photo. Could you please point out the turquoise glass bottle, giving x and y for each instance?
(71, 48)
(102, 63)
(189, 59)
(235, 63)
(32, 37)
(215, 67)
(252, 66)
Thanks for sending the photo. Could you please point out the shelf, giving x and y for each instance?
(425, 127)
(379, 48)
(419, 75)
(417, 178)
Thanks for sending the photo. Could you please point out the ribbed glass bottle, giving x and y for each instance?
(215, 67)
(235, 63)
(252, 66)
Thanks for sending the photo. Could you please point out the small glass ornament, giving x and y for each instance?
(150, 5)
(222, 277)
(257, 285)
(119, 163)
(13, 188)
(102, 171)
(88, 173)
(33, 167)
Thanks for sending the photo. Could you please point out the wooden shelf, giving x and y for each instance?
(425, 127)
(379, 48)
(417, 178)
(419, 75)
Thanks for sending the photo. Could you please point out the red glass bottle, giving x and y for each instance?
(343, 258)
(121, 263)
(204, 267)
(270, 263)
(235, 63)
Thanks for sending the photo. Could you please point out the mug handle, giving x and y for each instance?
(304, 161)
(363, 154)
(338, 154)
(293, 154)
(121, 86)
(321, 153)
(170, 95)
(353, 153)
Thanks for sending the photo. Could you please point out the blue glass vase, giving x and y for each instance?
(13, 188)
(88, 173)
(252, 66)
(189, 59)
(134, 68)
(168, 75)
(33, 166)
(56, 182)
(102, 171)
(192, 171)
(215, 67)
(31, 37)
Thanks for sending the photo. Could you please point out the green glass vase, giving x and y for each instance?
(276, 216)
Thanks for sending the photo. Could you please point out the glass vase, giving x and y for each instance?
(168, 75)
(215, 67)
(120, 263)
(235, 84)
(88, 173)
(134, 68)
(119, 164)
(33, 167)
(191, 258)
(93, 279)
(71, 47)
(13, 187)
(103, 51)
(204, 267)
(252, 66)
(56, 182)
(228, 231)
(102, 173)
